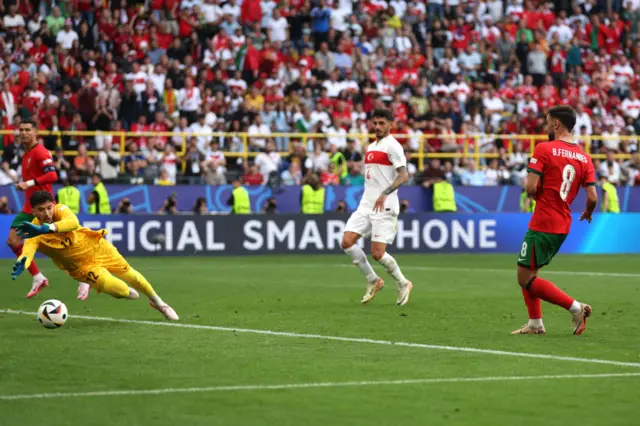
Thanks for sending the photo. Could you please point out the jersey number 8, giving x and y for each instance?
(568, 176)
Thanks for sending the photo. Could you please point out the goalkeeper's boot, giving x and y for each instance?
(372, 289)
(37, 287)
(165, 310)
(526, 329)
(580, 319)
(403, 293)
(83, 291)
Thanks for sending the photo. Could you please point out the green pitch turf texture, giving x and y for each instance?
(459, 301)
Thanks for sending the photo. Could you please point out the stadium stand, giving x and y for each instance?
(192, 91)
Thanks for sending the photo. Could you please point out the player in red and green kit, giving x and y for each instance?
(557, 170)
(38, 173)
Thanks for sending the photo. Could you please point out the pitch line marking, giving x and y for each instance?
(346, 339)
(420, 268)
(312, 385)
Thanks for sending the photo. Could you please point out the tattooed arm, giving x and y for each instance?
(401, 179)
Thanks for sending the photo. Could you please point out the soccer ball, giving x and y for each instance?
(52, 314)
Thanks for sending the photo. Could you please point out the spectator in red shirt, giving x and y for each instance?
(250, 12)
(252, 176)
(140, 126)
(330, 177)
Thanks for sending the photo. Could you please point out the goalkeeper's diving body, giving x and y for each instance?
(82, 253)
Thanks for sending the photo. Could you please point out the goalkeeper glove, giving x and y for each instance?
(30, 230)
(18, 267)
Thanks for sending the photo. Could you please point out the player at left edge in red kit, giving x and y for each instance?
(557, 171)
(38, 174)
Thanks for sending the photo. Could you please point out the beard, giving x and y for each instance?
(551, 136)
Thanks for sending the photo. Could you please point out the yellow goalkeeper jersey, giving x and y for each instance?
(71, 247)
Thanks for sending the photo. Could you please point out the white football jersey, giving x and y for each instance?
(381, 160)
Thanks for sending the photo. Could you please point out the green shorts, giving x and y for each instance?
(538, 248)
(20, 218)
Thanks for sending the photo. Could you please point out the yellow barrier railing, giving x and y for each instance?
(476, 146)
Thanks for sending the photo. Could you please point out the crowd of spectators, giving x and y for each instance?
(264, 67)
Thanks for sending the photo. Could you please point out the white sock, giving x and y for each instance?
(359, 259)
(133, 294)
(575, 307)
(39, 277)
(535, 323)
(392, 268)
(156, 300)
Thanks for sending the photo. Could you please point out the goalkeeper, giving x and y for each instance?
(82, 253)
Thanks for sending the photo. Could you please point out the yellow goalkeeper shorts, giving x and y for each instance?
(105, 257)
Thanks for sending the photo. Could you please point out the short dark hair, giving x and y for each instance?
(40, 197)
(564, 114)
(28, 121)
(382, 113)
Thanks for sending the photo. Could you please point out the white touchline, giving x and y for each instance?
(411, 268)
(346, 339)
(311, 385)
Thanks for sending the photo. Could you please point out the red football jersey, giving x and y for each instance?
(563, 168)
(36, 163)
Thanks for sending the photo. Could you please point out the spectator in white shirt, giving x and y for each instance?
(460, 89)
(258, 128)
(139, 79)
(158, 77)
(562, 30)
(470, 61)
(336, 135)
(494, 107)
(403, 42)
(611, 141)
(189, 4)
(318, 115)
(169, 161)
(231, 8)
(582, 119)
(203, 133)
(182, 127)
(440, 89)
(268, 162)
(189, 100)
(526, 105)
(514, 9)
(13, 21)
(8, 176)
(623, 74)
(631, 106)
(495, 175)
(319, 158)
(611, 169)
(108, 161)
(67, 36)
(278, 28)
(212, 11)
(214, 165)
(399, 6)
(339, 18)
(333, 86)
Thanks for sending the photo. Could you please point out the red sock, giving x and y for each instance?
(33, 268)
(534, 305)
(548, 292)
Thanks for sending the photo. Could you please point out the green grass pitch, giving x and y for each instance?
(251, 378)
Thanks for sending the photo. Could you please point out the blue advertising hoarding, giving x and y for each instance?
(149, 199)
(188, 235)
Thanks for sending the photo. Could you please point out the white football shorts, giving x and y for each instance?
(381, 227)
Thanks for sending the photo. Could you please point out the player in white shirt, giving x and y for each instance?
(377, 213)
